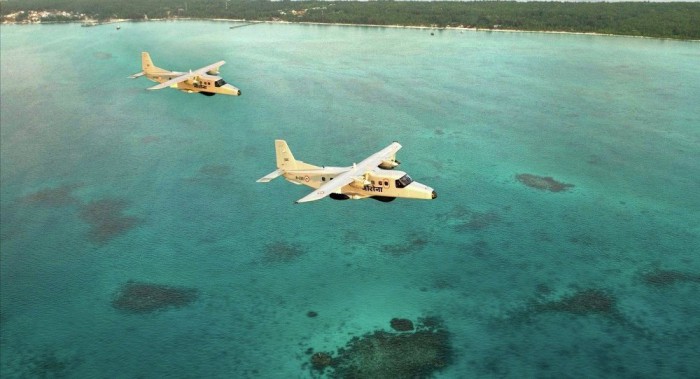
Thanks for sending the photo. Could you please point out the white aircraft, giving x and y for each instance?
(204, 80)
(373, 177)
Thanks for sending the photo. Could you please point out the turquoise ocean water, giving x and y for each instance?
(103, 182)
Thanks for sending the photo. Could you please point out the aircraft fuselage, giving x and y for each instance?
(379, 183)
(205, 84)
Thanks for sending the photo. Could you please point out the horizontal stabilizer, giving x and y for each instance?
(137, 75)
(270, 176)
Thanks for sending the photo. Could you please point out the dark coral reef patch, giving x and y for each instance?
(545, 183)
(401, 324)
(106, 219)
(102, 55)
(52, 197)
(410, 246)
(47, 364)
(464, 219)
(581, 303)
(388, 355)
(282, 252)
(660, 278)
(588, 301)
(480, 220)
(215, 170)
(321, 360)
(136, 297)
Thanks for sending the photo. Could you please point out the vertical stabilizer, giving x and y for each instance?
(146, 62)
(285, 158)
(147, 65)
(285, 162)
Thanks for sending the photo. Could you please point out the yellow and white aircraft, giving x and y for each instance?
(371, 178)
(204, 80)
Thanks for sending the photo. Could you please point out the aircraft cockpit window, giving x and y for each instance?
(403, 181)
(219, 83)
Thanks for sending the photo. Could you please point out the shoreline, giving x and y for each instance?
(452, 28)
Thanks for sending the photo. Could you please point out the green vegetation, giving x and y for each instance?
(666, 20)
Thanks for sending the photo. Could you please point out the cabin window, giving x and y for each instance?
(372, 183)
(219, 83)
(403, 181)
(323, 178)
(386, 183)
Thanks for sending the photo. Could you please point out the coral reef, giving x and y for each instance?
(46, 364)
(106, 219)
(660, 278)
(410, 246)
(463, 219)
(321, 360)
(102, 55)
(401, 324)
(52, 197)
(588, 301)
(388, 355)
(546, 183)
(584, 302)
(150, 139)
(281, 252)
(146, 297)
(215, 170)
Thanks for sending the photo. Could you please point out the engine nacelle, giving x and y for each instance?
(339, 196)
(389, 164)
(360, 182)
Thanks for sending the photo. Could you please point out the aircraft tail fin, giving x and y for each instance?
(147, 64)
(285, 162)
(285, 158)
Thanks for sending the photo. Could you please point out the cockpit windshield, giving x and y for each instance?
(403, 181)
(219, 83)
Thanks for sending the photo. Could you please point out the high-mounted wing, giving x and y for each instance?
(187, 75)
(356, 171)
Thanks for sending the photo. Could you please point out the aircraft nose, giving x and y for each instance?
(434, 194)
(233, 90)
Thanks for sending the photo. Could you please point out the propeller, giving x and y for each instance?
(361, 181)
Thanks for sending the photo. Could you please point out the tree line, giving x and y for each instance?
(679, 20)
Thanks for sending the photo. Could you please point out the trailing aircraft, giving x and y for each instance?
(204, 80)
(373, 178)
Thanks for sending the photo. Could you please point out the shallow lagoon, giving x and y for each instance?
(103, 183)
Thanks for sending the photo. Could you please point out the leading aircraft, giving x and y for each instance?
(204, 80)
(373, 178)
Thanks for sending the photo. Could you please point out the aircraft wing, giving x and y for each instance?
(187, 75)
(356, 171)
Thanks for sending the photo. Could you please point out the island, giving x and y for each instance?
(674, 20)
